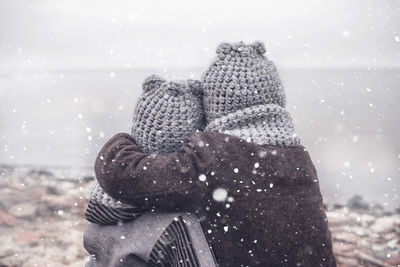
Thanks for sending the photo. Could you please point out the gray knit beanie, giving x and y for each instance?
(244, 96)
(241, 76)
(166, 113)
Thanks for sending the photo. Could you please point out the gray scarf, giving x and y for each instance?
(266, 124)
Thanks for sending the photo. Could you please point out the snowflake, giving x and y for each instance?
(220, 194)
(202, 177)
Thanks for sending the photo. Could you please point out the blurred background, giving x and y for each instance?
(71, 71)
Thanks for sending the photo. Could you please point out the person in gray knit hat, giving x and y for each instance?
(165, 114)
(244, 96)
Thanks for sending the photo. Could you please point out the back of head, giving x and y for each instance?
(240, 77)
(244, 96)
(166, 113)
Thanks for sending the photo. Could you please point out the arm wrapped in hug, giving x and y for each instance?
(150, 181)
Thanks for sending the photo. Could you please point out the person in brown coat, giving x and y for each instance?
(248, 179)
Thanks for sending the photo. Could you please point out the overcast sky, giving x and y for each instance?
(51, 34)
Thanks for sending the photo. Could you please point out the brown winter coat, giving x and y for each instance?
(273, 215)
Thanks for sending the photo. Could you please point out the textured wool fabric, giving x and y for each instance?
(98, 195)
(241, 76)
(106, 215)
(182, 245)
(104, 209)
(262, 124)
(165, 251)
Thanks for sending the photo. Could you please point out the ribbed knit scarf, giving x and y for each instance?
(98, 195)
(262, 124)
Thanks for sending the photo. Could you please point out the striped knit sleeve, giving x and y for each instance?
(174, 247)
(106, 215)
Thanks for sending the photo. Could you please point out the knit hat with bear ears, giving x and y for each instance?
(241, 76)
(244, 96)
(166, 113)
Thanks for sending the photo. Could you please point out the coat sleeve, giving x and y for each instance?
(129, 175)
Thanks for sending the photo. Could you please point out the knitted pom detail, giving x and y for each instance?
(175, 88)
(259, 47)
(224, 48)
(184, 87)
(196, 87)
(240, 47)
(152, 82)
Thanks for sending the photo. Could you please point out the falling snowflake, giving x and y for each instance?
(345, 33)
(202, 177)
(262, 154)
(220, 194)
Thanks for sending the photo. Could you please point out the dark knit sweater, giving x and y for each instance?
(273, 215)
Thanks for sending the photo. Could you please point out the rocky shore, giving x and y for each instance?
(42, 222)
(42, 217)
(362, 238)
